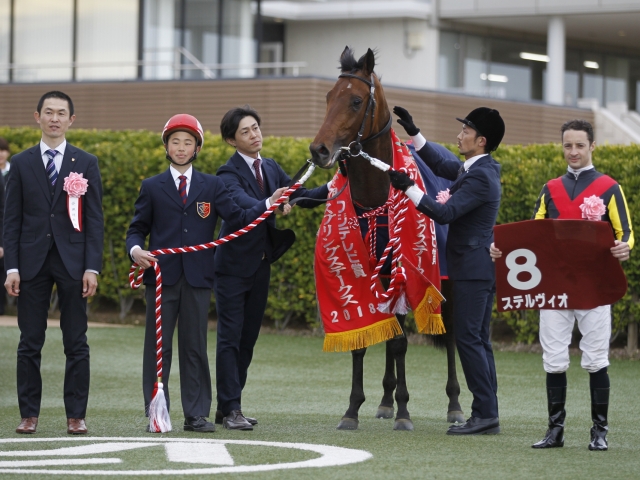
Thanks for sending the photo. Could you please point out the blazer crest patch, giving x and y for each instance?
(204, 209)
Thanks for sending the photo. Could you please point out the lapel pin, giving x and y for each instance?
(73, 159)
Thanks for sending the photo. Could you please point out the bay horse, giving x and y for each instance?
(358, 117)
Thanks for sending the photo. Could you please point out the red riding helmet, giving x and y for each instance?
(186, 123)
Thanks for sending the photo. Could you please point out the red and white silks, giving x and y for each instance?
(159, 420)
(355, 311)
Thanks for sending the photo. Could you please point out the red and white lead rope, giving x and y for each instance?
(393, 300)
(159, 420)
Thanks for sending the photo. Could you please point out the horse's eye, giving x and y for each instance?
(356, 102)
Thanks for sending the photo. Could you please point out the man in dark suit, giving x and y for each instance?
(180, 207)
(471, 213)
(4, 178)
(42, 247)
(243, 266)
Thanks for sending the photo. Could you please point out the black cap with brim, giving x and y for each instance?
(488, 123)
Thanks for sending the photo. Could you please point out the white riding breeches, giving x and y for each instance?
(556, 327)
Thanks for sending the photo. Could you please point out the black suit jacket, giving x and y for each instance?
(35, 218)
(471, 213)
(241, 257)
(169, 223)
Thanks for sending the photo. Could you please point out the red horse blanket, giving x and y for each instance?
(352, 313)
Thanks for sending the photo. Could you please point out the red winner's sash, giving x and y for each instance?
(350, 309)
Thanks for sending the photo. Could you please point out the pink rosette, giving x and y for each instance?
(443, 196)
(593, 208)
(75, 185)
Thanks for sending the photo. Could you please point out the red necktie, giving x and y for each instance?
(182, 189)
(256, 167)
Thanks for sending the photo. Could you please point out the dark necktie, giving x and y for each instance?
(52, 174)
(461, 170)
(256, 167)
(182, 189)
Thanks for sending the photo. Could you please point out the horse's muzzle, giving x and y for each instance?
(321, 156)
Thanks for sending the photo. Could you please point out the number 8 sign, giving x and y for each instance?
(556, 264)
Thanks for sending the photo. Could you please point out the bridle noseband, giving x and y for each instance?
(355, 147)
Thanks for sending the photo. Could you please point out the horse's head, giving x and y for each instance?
(356, 109)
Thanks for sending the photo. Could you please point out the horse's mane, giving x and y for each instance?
(349, 64)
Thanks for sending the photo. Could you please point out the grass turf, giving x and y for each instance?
(299, 394)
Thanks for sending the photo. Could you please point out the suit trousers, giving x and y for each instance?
(240, 303)
(472, 305)
(188, 307)
(33, 307)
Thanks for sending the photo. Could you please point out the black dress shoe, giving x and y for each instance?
(219, 417)
(476, 426)
(198, 424)
(236, 421)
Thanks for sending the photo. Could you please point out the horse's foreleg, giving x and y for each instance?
(399, 350)
(454, 411)
(385, 409)
(350, 419)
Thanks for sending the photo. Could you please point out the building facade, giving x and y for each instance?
(575, 53)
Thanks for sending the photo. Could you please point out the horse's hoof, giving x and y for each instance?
(385, 412)
(347, 423)
(403, 424)
(455, 416)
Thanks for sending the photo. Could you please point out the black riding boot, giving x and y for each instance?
(599, 409)
(555, 434)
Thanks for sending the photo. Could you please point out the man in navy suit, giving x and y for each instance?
(243, 267)
(180, 207)
(471, 213)
(42, 247)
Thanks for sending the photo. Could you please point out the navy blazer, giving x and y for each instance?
(242, 256)
(35, 218)
(471, 213)
(160, 214)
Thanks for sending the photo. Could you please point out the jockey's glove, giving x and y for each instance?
(400, 180)
(405, 119)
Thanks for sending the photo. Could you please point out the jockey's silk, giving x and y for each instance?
(348, 308)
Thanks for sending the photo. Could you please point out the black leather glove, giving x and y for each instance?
(405, 119)
(400, 180)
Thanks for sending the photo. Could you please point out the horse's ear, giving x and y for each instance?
(346, 53)
(369, 63)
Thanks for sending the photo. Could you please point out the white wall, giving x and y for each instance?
(320, 43)
(469, 8)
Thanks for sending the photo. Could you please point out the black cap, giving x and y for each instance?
(488, 123)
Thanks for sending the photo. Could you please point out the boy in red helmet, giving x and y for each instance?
(180, 207)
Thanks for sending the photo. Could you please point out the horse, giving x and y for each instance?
(358, 116)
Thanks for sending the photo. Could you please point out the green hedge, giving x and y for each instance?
(127, 157)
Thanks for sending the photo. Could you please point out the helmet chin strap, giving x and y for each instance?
(195, 154)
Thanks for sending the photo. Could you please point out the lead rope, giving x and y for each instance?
(393, 300)
(159, 420)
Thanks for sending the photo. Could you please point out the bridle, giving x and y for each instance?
(355, 147)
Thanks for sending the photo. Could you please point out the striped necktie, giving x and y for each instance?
(182, 189)
(52, 174)
(461, 170)
(256, 167)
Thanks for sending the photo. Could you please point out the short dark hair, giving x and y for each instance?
(579, 125)
(4, 145)
(231, 120)
(56, 94)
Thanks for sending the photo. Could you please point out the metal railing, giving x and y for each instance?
(209, 71)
